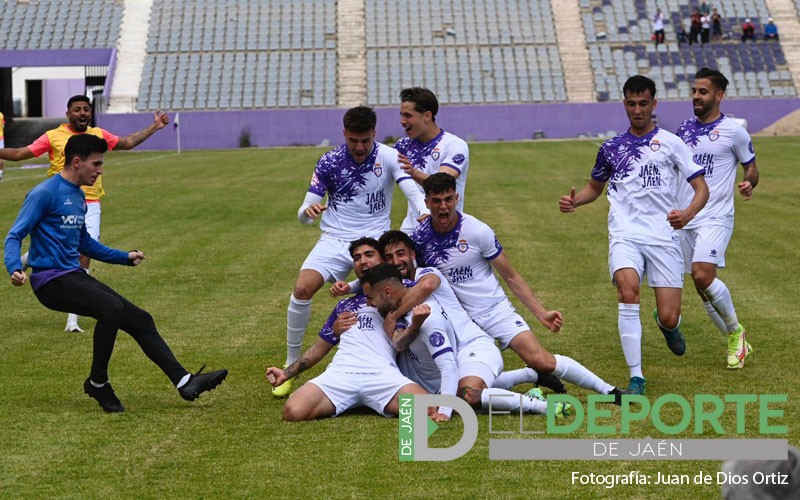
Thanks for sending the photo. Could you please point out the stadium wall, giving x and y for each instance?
(294, 127)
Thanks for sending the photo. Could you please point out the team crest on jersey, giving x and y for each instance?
(655, 145)
(462, 246)
(68, 201)
(378, 169)
(435, 154)
(436, 339)
(713, 135)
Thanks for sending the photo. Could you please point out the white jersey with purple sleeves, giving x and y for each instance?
(364, 348)
(642, 175)
(718, 146)
(465, 329)
(446, 150)
(359, 195)
(430, 360)
(463, 256)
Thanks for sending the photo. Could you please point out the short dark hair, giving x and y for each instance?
(381, 272)
(77, 98)
(637, 84)
(392, 237)
(82, 145)
(423, 99)
(439, 182)
(360, 119)
(363, 241)
(716, 78)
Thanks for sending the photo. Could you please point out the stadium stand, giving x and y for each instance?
(618, 35)
(234, 54)
(84, 24)
(471, 51)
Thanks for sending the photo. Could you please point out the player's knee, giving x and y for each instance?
(669, 319)
(627, 295)
(543, 362)
(304, 290)
(293, 413)
(702, 277)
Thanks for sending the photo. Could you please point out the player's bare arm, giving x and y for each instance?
(749, 182)
(552, 320)
(590, 192)
(415, 295)
(679, 218)
(160, 120)
(15, 154)
(403, 338)
(312, 356)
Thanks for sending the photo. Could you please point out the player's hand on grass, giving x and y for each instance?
(18, 278)
(314, 210)
(275, 376)
(745, 189)
(552, 320)
(567, 202)
(344, 322)
(439, 417)
(340, 288)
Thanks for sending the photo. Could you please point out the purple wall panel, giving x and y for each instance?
(268, 128)
(56, 95)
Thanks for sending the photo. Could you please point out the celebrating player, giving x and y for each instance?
(79, 115)
(53, 214)
(466, 251)
(718, 144)
(358, 178)
(428, 149)
(641, 167)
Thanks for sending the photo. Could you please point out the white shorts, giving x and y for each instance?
(92, 219)
(480, 358)
(663, 264)
(502, 323)
(349, 390)
(705, 244)
(331, 258)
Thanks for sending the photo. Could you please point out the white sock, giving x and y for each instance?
(509, 379)
(502, 399)
(630, 334)
(184, 380)
(72, 318)
(721, 300)
(715, 317)
(575, 373)
(297, 317)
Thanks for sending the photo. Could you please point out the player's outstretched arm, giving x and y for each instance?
(160, 120)
(15, 154)
(312, 356)
(552, 320)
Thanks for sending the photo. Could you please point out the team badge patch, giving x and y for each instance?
(378, 170)
(655, 145)
(713, 135)
(458, 159)
(436, 339)
(435, 154)
(462, 246)
(750, 147)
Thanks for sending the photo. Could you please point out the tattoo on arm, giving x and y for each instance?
(471, 396)
(305, 362)
(403, 338)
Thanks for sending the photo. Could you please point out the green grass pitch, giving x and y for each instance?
(223, 249)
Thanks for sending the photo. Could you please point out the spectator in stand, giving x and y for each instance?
(658, 27)
(682, 34)
(696, 24)
(748, 30)
(716, 25)
(770, 30)
(705, 29)
(705, 9)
